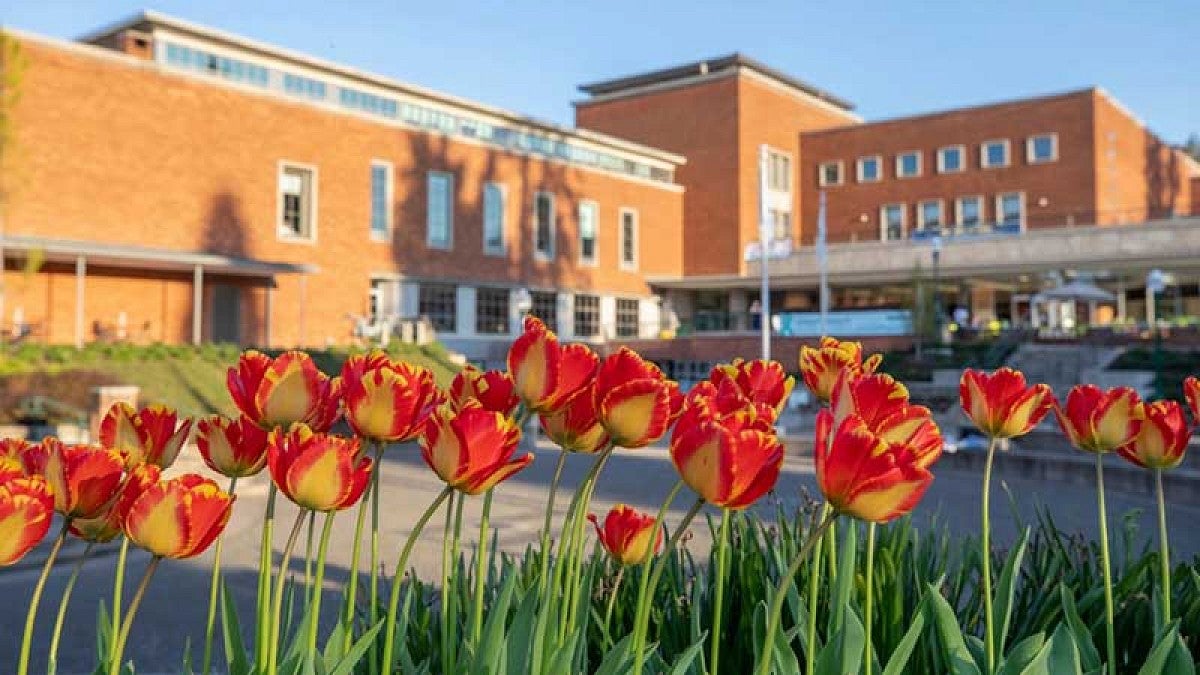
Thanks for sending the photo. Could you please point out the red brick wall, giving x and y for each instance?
(1067, 184)
(113, 149)
(1194, 187)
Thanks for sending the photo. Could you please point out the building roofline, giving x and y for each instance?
(150, 19)
(946, 112)
(704, 67)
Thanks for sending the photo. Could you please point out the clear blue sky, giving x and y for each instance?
(890, 58)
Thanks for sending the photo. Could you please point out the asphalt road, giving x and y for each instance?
(176, 603)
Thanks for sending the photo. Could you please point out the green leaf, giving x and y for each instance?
(1022, 654)
(1062, 657)
(843, 653)
(954, 648)
(684, 662)
(487, 658)
(1089, 656)
(236, 658)
(900, 656)
(618, 659)
(844, 584)
(1007, 588)
(1169, 656)
(357, 650)
(521, 633)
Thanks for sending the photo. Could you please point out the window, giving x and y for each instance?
(1010, 211)
(381, 199)
(891, 222)
(587, 315)
(779, 171)
(629, 233)
(627, 317)
(439, 210)
(781, 224)
(950, 159)
(588, 215)
(491, 311)
(994, 154)
(969, 212)
(929, 215)
(297, 202)
(1041, 148)
(908, 165)
(304, 87)
(493, 218)
(868, 169)
(545, 307)
(439, 303)
(829, 174)
(543, 225)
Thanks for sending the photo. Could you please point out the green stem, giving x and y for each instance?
(62, 608)
(481, 568)
(273, 628)
(262, 633)
(214, 584)
(119, 652)
(545, 563)
(376, 479)
(774, 614)
(575, 550)
(644, 585)
(718, 600)
(641, 627)
(612, 600)
(389, 627)
(118, 590)
(810, 651)
(318, 589)
(1164, 552)
(985, 560)
(449, 579)
(308, 550)
(31, 614)
(352, 583)
(1107, 566)
(869, 650)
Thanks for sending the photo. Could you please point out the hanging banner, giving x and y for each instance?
(850, 323)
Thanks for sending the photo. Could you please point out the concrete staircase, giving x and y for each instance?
(1063, 366)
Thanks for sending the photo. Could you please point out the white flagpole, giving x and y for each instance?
(823, 265)
(764, 238)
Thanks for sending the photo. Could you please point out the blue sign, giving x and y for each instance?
(850, 323)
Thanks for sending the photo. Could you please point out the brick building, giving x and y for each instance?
(170, 182)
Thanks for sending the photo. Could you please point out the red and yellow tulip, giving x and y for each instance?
(235, 448)
(316, 470)
(277, 392)
(729, 465)
(1001, 404)
(14, 448)
(26, 509)
(83, 478)
(178, 518)
(863, 475)
(1096, 420)
(387, 400)
(472, 448)
(1163, 438)
(493, 389)
(760, 381)
(106, 526)
(576, 427)
(873, 397)
(635, 401)
(1191, 394)
(546, 374)
(628, 535)
(821, 366)
(152, 435)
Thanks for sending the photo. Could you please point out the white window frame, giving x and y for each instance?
(883, 223)
(983, 154)
(999, 219)
(282, 233)
(595, 259)
(773, 154)
(1030, 159)
(389, 197)
(858, 169)
(429, 242)
(545, 255)
(900, 164)
(958, 210)
(503, 248)
(841, 173)
(921, 213)
(625, 265)
(962, 158)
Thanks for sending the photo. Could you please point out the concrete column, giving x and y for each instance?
(739, 307)
(1150, 313)
(608, 317)
(197, 304)
(1121, 302)
(80, 282)
(649, 317)
(409, 300)
(268, 306)
(566, 316)
(464, 310)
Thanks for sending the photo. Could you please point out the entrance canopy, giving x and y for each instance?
(1078, 290)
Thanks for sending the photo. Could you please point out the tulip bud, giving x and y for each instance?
(546, 374)
(760, 381)
(1000, 404)
(83, 478)
(235, 448)
(576, 427)
(151, 435)
(493, 389)
(820, 367)
(1162, 439)
(629, 537)
(315, 470)
(729, 467)
(1096, 420)
(1191, 393)
(179, 518)
(634, 399)
(26, 509)
(106, 526)
(472, 449)
(281, 391)
(387, 400)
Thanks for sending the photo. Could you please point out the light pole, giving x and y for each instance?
(937, 286)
